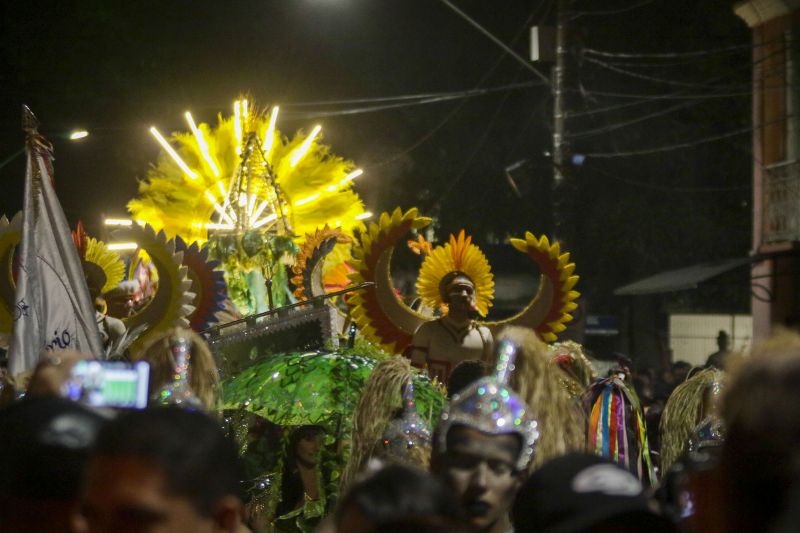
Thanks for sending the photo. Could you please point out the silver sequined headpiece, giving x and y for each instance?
(407, 432)
(490, 406)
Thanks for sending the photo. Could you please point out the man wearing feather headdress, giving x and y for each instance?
(455, 277)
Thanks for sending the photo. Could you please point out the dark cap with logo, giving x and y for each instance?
(579, 492)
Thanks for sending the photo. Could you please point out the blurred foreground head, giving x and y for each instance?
(761, 456)
(583, 493)
(397, 493)
(44, 449)
(163, 469)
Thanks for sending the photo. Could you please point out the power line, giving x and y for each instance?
(690, 144)
(643, 3)
(656, 99)
(474, 152)
(665, 188)
(668, 55)
(403, 97)
(425, 101)
(497, 41)
(682, 94)
(416, 144)
(645, 76)
(618, 125)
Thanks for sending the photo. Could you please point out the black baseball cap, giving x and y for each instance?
(45, 444)
(581, 492)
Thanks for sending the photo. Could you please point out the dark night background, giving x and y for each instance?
(115, 68)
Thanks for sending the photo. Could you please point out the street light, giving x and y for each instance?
(73, 135)
(78, 134)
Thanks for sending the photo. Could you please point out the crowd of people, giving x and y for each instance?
(494, 464)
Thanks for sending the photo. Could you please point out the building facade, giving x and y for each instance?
(776, 161)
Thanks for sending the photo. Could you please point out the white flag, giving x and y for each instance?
(53, 309)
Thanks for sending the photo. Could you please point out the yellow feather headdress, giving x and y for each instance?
(97, 252)
(458, 255)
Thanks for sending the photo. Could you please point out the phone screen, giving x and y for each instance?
(109, 383)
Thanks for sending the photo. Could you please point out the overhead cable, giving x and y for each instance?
(689, 144)
(430, 133)
(524, 62)
(443, 98)
(646, 77)
(666, 188)
(667, 55)
(613, 11)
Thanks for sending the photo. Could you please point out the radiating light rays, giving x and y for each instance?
(165, 145)
(301, 151)
(118, 222)
(363, 216)
(241, 190)
(264, 220)
(306, 200)
(344, 181)
(237, 126)
(269, 135)
(202, 144)
(226, 215)
(122, 246)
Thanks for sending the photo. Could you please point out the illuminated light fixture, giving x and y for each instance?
(350, 177)
(269, 136)
(245, 111)
(337, 224)
(218, 208)
(307, 199)
(364, 215)
(251, 205)
(242, 199)
(123, 246)
(201, 143)
(264, 220)
(347, 179)
(303, 149)
(259, 210)
(118, 222)
(78, 134)
(237, 126)
(165, 145)
(215, 225)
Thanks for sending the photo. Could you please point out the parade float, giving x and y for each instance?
(259, 242)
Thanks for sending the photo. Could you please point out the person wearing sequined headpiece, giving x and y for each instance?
(484, 443)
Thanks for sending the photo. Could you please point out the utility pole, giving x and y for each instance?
(563, 85)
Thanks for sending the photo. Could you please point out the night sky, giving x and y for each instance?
(116, 68)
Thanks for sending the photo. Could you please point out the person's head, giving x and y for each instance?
(680, 369)
(163, 469)
(761, 455)
(483, 472)
(723, 340)
(44, 449)
(305, 444)
(203, 378)
(465, 374)
(583, 493)
(485, 442)
(302, 451)
(95, 279)
(458, 292)
(395, 492)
